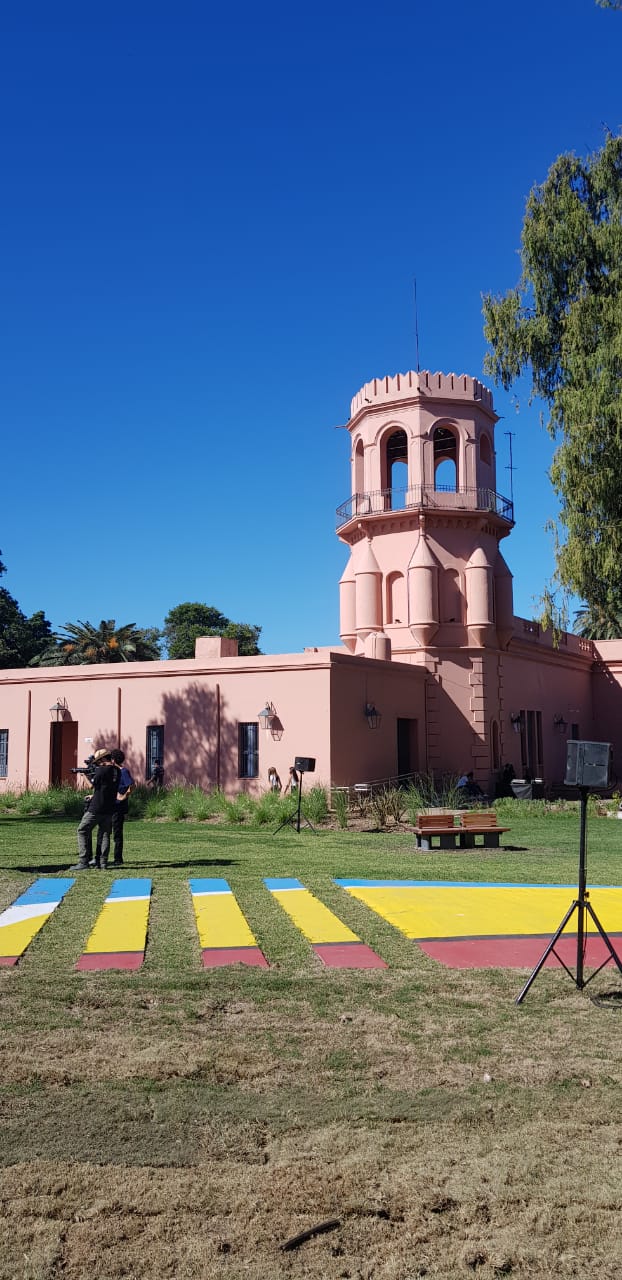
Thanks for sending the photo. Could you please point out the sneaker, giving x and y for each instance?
(80, 866)
(118, 862)
(93, 862)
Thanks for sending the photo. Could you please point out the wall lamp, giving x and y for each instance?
(372, 716)
(266, 716)
(59, 710)
(560, 724)
(516, 721)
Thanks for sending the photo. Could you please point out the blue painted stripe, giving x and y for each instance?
(460, 884)
(45, 891)
(130, 888)
(382, 884)
(284, 882)
(211, 884)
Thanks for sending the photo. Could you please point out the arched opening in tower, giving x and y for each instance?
(397, 469)
(445, 459)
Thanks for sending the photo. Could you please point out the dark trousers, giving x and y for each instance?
(118, 818)
(103, 822)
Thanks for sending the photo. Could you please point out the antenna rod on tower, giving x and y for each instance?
(510, 435)
(416, 324)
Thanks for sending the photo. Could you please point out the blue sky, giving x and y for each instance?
(211, 220)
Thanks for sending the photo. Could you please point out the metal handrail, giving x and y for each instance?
(443, 497)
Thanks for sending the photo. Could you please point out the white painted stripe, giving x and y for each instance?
(144, 897)
(30, 911)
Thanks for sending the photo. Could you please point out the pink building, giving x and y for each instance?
(434, 674)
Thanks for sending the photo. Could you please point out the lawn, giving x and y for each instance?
(176, 1122)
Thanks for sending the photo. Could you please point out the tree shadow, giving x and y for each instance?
(200, 742)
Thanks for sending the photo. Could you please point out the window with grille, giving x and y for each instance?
(4, 753)
(155, 747)
(248, 750)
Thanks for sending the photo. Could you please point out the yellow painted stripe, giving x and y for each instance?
(220, 922)
(14, 938)
(316, 921)
(456, 911)
(120, 926)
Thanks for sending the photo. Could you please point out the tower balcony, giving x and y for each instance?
(427, 498)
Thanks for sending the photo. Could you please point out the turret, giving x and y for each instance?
(347, 609)
(423, 593)
(368, 577)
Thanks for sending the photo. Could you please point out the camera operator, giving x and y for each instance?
(105, 780)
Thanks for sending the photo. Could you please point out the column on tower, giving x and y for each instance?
(423, 592)
(479, 598)
(347, 607)
(368, 576)
(504, 602)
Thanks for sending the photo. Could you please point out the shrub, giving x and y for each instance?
(238, 810)
(315, 804)
(177, 804)
(268, 810)
(341, 806)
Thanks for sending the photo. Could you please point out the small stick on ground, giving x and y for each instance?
(330, 1225)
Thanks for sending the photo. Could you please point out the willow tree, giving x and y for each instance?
(562, 326)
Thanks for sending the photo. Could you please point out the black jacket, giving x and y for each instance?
(105, 783)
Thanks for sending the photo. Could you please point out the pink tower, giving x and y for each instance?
(426, 582)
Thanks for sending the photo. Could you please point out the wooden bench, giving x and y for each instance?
(482, 823)
(436, 826)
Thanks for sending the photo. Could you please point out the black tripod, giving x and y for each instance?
(296, 818)
(583, 908)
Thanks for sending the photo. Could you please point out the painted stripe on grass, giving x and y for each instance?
(439, 913)
(224, 932)
(335, 944)
(119, 935)
(21, 922)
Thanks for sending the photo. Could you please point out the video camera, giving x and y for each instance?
(88, 769)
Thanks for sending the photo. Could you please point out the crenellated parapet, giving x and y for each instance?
(423, 385)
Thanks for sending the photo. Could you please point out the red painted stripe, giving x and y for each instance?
(515, 953)
(8, 960)
(216, 957)
(111, 960)
(348, 955)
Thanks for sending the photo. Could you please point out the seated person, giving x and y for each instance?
(469, 787)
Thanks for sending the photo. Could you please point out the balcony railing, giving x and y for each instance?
(379, 501)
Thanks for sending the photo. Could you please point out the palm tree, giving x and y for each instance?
(78, 643)
(600, 620)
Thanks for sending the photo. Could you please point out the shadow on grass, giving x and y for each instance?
(52, 868)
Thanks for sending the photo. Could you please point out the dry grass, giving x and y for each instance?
(185, 1124)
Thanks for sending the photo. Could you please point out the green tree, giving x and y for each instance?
(186, 622)
(599, 622)
(79, 643)
(563, 324)
(21, 638)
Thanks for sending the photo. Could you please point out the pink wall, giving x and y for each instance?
(319, 698)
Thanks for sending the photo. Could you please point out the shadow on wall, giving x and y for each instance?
(200, 742)
(200, 748)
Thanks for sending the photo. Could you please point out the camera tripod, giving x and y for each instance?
(584, 909)
(298, 816)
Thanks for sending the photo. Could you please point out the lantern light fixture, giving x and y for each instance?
(59, 709)
(266, 715)
(372, 716)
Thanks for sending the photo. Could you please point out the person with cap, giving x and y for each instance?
(105, 782)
